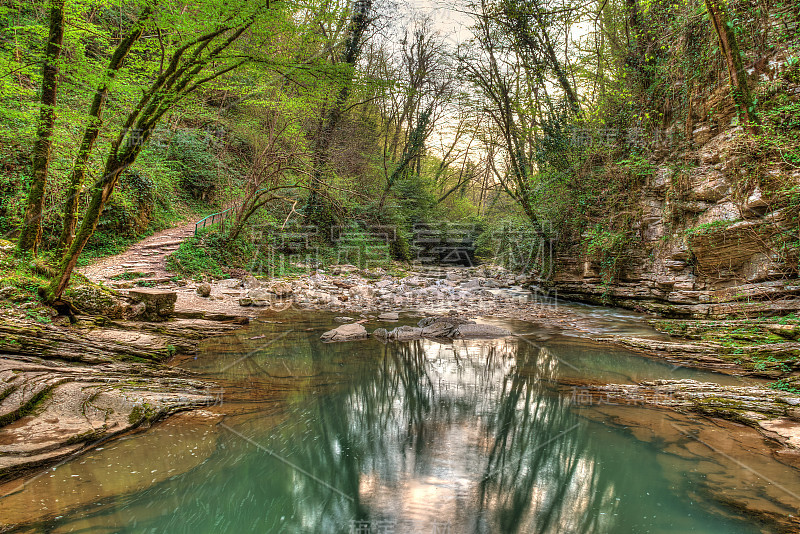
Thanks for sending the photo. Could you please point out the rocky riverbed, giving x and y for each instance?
(64, 385)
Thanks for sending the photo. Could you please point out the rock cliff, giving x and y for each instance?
(716, 226)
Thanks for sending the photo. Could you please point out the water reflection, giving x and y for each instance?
(468, 437)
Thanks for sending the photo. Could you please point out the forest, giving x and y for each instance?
(547, 117)
(593, 205)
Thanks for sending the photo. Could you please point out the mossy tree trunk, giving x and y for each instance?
(733, 59)
(318, 210)
(31, 231)
(182, 76)
(92, 131)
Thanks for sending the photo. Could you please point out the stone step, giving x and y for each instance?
(159, 244)
(154, 281)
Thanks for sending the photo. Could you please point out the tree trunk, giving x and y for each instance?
(90, 135)
(733, 59)
(102, 190)
(317, 210)
(31, 231)
(175, 83)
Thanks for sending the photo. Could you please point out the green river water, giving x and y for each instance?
(460, 437)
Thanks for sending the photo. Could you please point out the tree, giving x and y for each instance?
(513, 94)
(530, 25)
(93, 130)
(31, 231)
(740, 91)
(277, 156)
(193, 64)
(317, 210)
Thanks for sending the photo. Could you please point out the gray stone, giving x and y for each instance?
(441, 327)
(347, 332)
(343, 319)
(480, 330)
(405, 333)
(380, 333)
(389, 316)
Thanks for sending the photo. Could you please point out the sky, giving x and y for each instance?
(448, 17)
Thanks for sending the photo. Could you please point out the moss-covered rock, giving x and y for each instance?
(96, 300)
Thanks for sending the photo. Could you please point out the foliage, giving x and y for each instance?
(790, 385)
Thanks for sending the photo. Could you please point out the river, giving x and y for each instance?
(454, 437)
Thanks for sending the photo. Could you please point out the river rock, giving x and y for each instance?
(347, 332)
(204, 290)
(343, 319)
(405, 333)
(159, 303)
(389, 316)
(250, 282)
(257, 297)
(481, 330)
(280, 289)
(441, 327)
(96, 300)
(363, 291)
(380, 333)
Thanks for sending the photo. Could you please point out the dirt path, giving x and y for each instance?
(147, 258)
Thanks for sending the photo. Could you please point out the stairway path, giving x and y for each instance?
(145, 261)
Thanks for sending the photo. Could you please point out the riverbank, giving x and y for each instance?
(119, 362)
(121, 359)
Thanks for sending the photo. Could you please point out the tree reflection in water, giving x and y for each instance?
(469, 435)
(383, 436)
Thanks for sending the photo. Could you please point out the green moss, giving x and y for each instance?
(708, 228)
(29, 408)
(142, 413)
(790, 385)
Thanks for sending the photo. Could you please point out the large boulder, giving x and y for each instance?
(96, 300)
(159, 304)
(346, 332)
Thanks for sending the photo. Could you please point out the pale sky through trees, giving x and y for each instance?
(450, 20)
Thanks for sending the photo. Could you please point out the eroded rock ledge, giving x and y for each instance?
(63, 388)
(774, 413)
